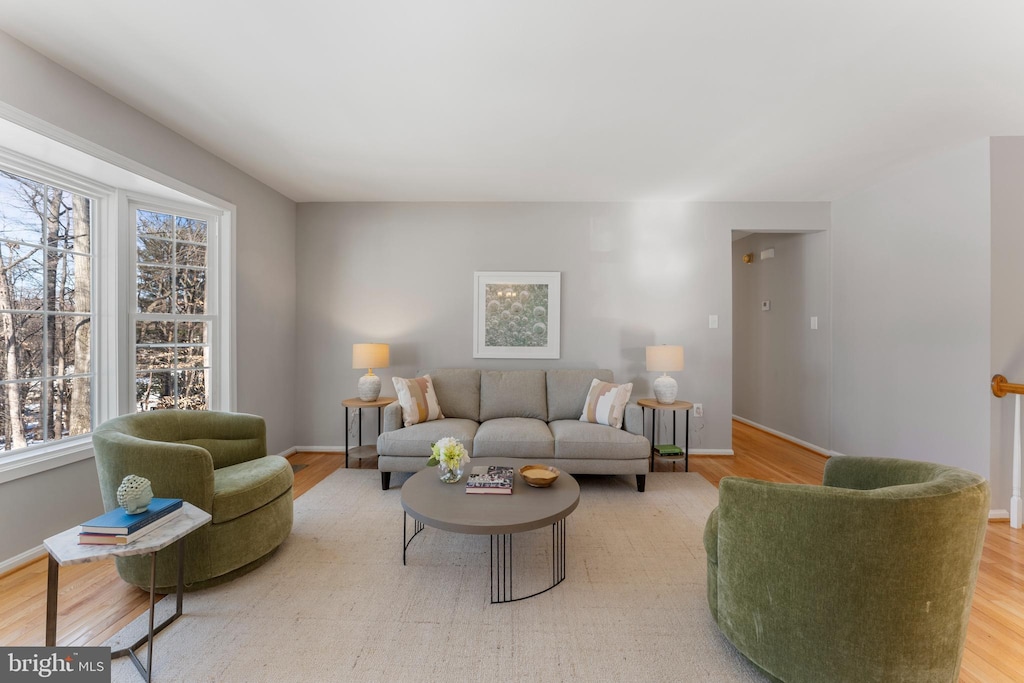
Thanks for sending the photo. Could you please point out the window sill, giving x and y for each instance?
(46, 457)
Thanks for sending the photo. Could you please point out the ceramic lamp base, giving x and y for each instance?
(665, 389)
(369, 387)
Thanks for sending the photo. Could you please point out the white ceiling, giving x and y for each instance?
(551, 99)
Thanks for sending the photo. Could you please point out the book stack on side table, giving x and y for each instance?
(492, 479)
(117, 527)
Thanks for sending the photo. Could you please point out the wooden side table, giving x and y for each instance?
(64, 550)
(362, 451)
(653, 404)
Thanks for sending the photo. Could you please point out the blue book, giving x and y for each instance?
(117, 521)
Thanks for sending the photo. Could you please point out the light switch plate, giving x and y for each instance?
(814, 322)
(713, 322)
(766, 305)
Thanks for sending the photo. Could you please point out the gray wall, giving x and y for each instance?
(632, 275)
(910, 313)
(1007, 294)
(781, 367)
(265, 270)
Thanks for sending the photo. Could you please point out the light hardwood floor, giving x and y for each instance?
(94, 603)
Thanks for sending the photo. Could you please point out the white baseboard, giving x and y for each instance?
(34, 554)
(319, 449)
(711, 451)
(841, 455)
(782, 435)
(1001, 515)
(291, 451)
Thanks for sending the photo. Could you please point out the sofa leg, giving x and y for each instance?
(385, 481)
(641, 482)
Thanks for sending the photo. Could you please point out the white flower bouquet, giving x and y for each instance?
(450, 451)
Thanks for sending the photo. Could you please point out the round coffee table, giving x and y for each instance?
(431, 502)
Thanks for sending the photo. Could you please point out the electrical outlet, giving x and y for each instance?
(698, 410)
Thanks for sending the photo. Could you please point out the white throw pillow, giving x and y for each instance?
(606, 402)
(418, 400)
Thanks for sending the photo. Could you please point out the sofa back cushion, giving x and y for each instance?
(513, 393)
(567, 391)
(458, 392)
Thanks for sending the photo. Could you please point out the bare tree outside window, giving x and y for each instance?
(45, 312)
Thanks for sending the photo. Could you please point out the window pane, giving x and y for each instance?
(69, 403)
(21, 209)
(154, 390)
(193, 356)
(71, 352)
(24, 266)
(150, 358)
(192, 390)
(77, 231)
(190, 291)
(191, 333)
(191, 229)
(154, 250)
(191, 254)
(25, 354)
(154, 332)
(31, 398)
(68, 282)
(73, 405)
(154, 286)
(155, 224)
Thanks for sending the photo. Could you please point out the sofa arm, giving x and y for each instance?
(392, 417)
(849, 472)
(176, 470)
(633, 419)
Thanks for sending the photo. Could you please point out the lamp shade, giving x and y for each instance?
(370, 356)
(664, 358)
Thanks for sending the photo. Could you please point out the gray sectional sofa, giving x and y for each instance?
(528, 414)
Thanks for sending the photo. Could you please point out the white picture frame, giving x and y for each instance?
(517, 314)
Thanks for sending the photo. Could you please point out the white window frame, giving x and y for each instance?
(216, 302)
(113, 261)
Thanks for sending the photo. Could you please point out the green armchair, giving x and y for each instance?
(867, 578)
(217, 462)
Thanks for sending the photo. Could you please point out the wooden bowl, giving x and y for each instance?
(540, 476)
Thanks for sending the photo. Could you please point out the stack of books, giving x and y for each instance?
(492, 479)
(117, 527)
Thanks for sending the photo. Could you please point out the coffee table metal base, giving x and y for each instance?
(501, 559)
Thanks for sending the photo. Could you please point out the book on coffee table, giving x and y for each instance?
(490, 479)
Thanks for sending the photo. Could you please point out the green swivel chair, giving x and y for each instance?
(867, 578)
(217, 462)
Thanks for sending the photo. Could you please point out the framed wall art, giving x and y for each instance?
(516, 315)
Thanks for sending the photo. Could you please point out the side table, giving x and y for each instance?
(64, 550)
(669, 450)
(362, 451)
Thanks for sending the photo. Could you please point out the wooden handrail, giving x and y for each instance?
(1000, 387)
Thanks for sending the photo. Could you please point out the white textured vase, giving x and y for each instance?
(369, 387)
(665, 389)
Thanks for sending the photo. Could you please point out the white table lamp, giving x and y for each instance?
(370, 356)
(665, 359)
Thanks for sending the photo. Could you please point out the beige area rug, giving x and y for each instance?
(336, 604)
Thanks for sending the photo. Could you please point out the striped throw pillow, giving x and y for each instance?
(606, 403)
(418, 400)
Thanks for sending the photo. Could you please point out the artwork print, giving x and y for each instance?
(516, 315)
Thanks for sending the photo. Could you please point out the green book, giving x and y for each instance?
(668, 449)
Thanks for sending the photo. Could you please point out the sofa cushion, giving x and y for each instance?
(575, 439)
(513, 393)
(240, 489)
(416, 440)
(567, 391)
(418, 400)
(514, 437)
(458, 392)
(606, 402)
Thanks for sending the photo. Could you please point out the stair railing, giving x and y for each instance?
(1000, 388)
